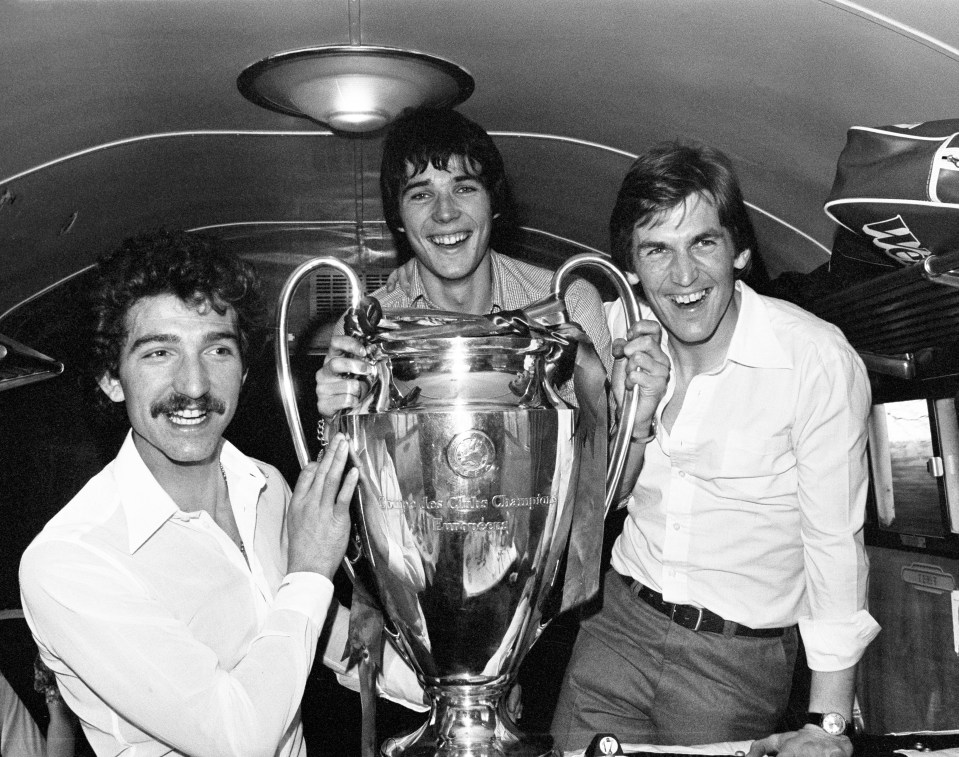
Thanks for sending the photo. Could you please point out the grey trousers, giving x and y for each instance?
(638, 675)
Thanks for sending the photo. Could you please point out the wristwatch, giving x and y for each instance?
(831, 722)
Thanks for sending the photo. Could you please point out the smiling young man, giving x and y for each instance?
(448, 220)
(747, 476)
(179, 597)
(444, 191)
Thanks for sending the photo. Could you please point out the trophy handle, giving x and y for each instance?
(620, 447)
(283, 370)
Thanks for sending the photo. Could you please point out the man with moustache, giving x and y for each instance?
(179, 597)
(748, 483)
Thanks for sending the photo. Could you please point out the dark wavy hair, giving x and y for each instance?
(428, 136)
(193, 267)
(664, 176)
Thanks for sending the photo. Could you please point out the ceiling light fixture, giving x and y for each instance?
(353, 88)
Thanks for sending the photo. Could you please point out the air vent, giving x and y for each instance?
(330, 291)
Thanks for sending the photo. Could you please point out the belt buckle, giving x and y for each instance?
(699, 616)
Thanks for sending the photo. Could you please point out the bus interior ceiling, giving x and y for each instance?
(123, 116)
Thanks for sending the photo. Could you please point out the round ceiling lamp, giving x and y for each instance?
(353, 88)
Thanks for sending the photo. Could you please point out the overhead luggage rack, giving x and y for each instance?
(899, 313)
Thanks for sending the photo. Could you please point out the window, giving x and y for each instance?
(914, 452)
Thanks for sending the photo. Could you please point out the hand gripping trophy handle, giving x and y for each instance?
(283, 364)
(620, 446)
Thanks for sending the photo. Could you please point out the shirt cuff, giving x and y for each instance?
(306, 593)
(837, 644)
(397, 682)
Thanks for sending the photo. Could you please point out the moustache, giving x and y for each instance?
(178, 402)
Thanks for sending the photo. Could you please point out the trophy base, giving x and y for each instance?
(426, 742)
(469, 721)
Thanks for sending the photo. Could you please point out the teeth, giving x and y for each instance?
(187, 417)
(450, 239)
(688, 299)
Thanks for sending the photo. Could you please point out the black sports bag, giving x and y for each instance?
(896, 194)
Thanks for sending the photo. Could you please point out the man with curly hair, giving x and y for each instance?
(179, 597)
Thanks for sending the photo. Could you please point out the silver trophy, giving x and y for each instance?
(470, 487)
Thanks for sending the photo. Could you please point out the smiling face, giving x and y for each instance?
(686, 262)
(180, 375)
(447, 218)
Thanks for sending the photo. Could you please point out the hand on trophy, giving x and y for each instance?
(338, 386)
(640, 362)
(318, 524)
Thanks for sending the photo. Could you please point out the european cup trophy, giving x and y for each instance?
(475, 475)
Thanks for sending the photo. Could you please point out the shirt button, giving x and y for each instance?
(676, 526)
(682, 474)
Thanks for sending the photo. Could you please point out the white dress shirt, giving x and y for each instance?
(162, 638)
(752, 505)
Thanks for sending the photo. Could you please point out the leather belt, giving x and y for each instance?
(696, 618)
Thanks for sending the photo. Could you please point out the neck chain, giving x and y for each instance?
(227, 485)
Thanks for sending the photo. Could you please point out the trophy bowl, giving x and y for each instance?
(469, 464)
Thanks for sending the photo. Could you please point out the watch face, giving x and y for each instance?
(833, 723)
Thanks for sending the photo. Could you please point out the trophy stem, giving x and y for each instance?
(469, 721)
